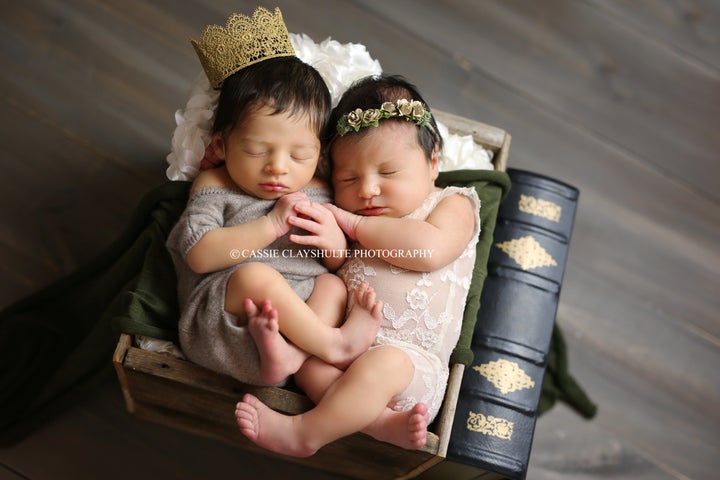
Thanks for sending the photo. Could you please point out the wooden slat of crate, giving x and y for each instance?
(179, 394)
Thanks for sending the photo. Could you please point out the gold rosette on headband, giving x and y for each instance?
(410, 110)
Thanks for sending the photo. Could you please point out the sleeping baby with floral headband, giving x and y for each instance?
(414, 244)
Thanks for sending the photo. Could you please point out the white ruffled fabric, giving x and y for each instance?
(193, 132)
(158, 346)
(460, 152)
(340, 65)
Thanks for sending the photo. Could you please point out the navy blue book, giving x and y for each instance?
(498, 401)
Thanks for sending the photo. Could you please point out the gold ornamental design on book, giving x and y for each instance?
(539, 207)
(527, 252)
(507, 376)
(489, 425)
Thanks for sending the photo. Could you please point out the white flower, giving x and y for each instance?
(192, 133)
(339, 64)
(417, 299)
(460, 152)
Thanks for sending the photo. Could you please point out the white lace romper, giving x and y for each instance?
(423, 311)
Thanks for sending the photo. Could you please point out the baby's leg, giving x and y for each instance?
(315, 377)
(352, 403)
(298, 322)
(328, 299)
(358, 330)
(278, 358)
(404, 429)
(260, 282)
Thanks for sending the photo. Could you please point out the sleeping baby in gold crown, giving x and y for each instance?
(257, 244)
(237, 249)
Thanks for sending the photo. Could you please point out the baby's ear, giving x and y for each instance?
(218, 145)
(435, 161)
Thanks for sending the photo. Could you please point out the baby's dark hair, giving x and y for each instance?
(373, 91)
(286, 84)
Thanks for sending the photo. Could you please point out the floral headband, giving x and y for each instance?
(410, 110)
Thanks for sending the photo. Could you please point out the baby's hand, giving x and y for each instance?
(284, 209)
(347, 221)
(320, 223)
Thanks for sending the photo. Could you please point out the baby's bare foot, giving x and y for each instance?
(278, 358)
(404, 429)
(269, 429)
(361, 325)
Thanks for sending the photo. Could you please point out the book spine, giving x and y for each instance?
(498, 400)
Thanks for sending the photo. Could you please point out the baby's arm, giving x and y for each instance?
(226, 246)
(445, 233)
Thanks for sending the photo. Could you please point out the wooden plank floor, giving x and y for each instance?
(620, 98)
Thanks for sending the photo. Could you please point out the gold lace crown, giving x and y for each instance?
(242, 42)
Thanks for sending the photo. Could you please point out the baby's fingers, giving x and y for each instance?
(314, 210)
(307, 224)
(307, 240)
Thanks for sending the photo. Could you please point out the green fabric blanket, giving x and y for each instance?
(491, 187)
(58, 343)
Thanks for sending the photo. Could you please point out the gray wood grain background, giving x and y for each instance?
(620, 98)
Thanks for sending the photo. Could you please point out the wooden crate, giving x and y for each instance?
(182, 395)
